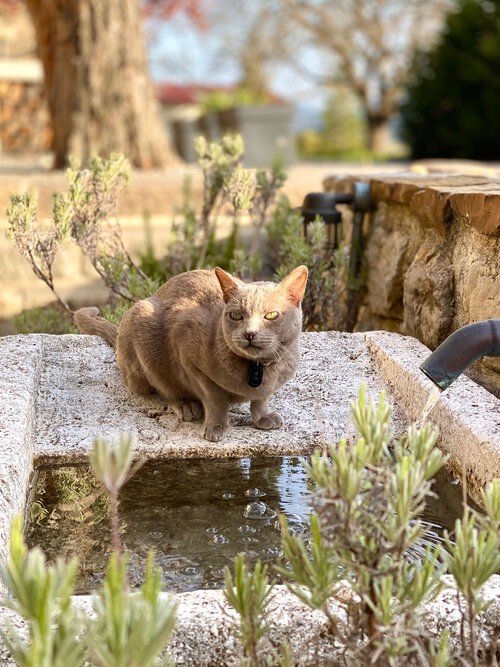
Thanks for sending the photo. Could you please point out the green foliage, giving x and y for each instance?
(38, 244)
(126, 629)
(42, 595)
(112, 462)
(87, 211)
(371, 492)
(83, 214)
(43, 320)
(249, 593)
(343, 135)
(285, 230)
(473, 556)
(454, 92)
(113, 465)
(130, 629)
(309, 574)
(229, 192)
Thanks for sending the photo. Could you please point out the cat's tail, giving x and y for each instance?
(89, 321)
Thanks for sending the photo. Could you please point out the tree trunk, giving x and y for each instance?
(378, 135)
(100, 98)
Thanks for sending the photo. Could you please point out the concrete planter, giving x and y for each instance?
(266, 130)
(58, 392)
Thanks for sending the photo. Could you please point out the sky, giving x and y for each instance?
(179, 53)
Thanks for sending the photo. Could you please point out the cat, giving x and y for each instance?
(206, 340)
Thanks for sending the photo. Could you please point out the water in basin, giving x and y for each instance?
(195, 514)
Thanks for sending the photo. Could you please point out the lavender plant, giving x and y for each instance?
(37, 244)
(229, 191)
(249, 594)
(371, 493)
(126, 629)
(41, 594)
(472, 557)
(291, 248)
(85, 214)
(366, 532)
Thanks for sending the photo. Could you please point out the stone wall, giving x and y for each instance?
(24, 118)
(432, 257)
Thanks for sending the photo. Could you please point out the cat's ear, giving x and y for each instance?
(228, 284)
(295, 284)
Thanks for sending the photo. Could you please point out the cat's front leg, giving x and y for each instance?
(187, 411)
(216, 409)
(263, 417)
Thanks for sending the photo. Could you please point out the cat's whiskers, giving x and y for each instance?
(281, 352)
(222, 351)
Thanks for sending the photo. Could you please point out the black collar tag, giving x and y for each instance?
(255, 374)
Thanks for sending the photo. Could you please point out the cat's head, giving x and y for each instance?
(260, 319)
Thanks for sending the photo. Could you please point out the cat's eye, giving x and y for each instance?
(235, 316)
(272, 315)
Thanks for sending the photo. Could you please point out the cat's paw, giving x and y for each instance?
(269, 422)
(214, 432)
(188, 411)
(156, 414)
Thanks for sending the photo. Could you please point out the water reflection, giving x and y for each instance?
(195, 514)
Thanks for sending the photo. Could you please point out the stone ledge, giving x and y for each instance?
(467, 415)
(59, 392)
(80, 395)
(435, 199)
(203, 635)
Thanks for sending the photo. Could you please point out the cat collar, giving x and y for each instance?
(255, 373)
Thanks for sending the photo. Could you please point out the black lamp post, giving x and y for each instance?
(323, 204)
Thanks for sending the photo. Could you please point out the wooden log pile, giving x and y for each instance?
(24, 118)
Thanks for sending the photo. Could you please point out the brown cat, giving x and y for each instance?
(206, 340)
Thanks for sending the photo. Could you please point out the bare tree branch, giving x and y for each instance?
(371, 43)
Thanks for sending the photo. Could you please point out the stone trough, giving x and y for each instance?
(58, 392)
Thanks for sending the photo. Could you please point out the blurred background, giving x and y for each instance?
(358, 80)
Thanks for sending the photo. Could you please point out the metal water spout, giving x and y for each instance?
(460, 349)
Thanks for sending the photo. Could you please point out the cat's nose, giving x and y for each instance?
(250, 335)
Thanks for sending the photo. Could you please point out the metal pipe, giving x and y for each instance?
(460, 349)
(361, 204)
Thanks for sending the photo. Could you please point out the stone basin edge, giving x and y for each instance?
(202, 635)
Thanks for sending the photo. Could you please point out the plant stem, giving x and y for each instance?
(115, 524)
(472, 629)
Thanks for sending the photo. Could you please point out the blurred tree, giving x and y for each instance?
(250, 38)
(369, 45)
(451, 108)
(99, 94)
(344, 131)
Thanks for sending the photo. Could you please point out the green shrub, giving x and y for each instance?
(366, 531)
(126, 629)
(84, 214)
(451, 97)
